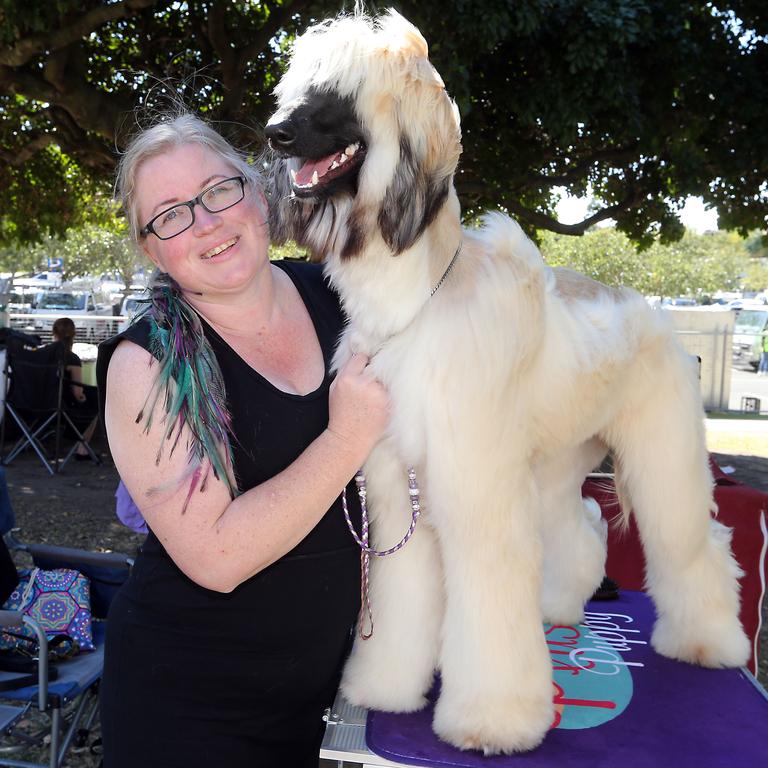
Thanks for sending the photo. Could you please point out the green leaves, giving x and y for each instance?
(695, 266)
(643, 101)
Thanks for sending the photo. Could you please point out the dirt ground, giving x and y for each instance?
(77, 508)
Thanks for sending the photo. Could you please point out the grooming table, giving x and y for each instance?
(618, 703)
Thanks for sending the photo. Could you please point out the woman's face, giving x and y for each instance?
(221, 252)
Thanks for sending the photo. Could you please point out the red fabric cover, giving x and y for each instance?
(741, 508)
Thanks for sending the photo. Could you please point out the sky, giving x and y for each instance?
(694, 216)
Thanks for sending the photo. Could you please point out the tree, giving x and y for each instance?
(604, 254)
(18, 258)
(696, 265)
(757, 245)
(93, 249)
(756, 277)
(642, 101)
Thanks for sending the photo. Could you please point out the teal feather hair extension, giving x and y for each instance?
(189, 390)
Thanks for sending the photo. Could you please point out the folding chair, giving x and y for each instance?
(36, 402)
(70, 701)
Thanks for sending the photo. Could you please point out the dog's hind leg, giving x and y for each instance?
(663, 467)
(497, 689)
(573, 533)
(394, 668)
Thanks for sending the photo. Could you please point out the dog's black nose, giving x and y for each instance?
(281, 134)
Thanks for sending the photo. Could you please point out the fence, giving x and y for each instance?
(714, 348)
(91, 329)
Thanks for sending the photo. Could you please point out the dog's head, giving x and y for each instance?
(365, 137)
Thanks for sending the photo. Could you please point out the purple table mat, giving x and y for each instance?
(630, 707)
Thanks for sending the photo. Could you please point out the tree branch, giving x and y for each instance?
(17, 157)
(92, 109)
(616, 155)
(542, 221)
(85, 147)
(26, 84)
(216, 30)
(31, 46)
(277, 19)
(275, 22)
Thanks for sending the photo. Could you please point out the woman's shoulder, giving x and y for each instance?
(131, 361)
(306, 272)
(139, 332)
(314, 286)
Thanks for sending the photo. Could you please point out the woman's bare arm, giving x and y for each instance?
(76, 379)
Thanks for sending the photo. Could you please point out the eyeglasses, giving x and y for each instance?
(216, 198)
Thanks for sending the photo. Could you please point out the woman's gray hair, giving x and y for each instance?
(174, 130)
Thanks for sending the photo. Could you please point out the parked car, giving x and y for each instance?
(40, 280)
(130, 306)
(109, 282)
(75, 305)
(748, 336)
(679, 301)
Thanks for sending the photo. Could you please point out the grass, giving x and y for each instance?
(737, 415)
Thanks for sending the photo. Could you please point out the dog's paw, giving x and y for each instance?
(717, 643)
(387, 692)
(561, 609)
(494, 726)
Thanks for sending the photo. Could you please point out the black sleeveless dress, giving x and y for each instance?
(195, 677)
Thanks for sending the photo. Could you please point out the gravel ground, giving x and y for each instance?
(76, 508)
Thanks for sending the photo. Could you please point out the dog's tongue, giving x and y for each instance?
(304, 174)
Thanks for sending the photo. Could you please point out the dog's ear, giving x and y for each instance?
(278, 193)
(411, 201)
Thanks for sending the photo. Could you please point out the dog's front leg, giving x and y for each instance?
(393, 669)
(496, 673)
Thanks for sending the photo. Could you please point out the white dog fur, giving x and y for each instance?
(507, 388)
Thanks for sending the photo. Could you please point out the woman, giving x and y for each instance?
(64, 334)
(225, 645)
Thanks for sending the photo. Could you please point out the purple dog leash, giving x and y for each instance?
(362, 540)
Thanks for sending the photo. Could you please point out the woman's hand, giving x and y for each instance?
(358, 407)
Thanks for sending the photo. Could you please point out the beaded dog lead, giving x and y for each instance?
(413, 491)
(362, 540)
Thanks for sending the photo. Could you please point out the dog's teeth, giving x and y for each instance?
(351, 149)
(343, 158)
(315, 178)
(334, 165)
(293, 175)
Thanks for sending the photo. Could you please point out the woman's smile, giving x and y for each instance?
(220, 250)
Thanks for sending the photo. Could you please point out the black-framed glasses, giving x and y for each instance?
(216, 198)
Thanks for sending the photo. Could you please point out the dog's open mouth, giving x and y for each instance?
(314, 175)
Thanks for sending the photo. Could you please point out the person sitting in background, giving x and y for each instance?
(77, 395)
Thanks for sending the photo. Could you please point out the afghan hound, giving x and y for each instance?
(509, 381)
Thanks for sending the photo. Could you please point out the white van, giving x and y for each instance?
(75, 305)
(748, 336)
